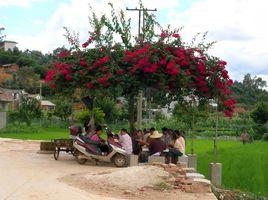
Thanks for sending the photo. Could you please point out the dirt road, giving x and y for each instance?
(24, 175)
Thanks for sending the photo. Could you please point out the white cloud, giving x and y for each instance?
(74, 15)
(18, 3)
(238, 26)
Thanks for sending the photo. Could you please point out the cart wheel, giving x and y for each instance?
(56, 153)
(74, 152)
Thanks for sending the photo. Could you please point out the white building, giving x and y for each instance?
(8, 45)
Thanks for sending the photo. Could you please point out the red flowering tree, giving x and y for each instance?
(162, 61)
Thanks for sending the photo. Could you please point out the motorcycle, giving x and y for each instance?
(88, 149)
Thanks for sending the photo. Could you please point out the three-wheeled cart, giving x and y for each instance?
(65, 145)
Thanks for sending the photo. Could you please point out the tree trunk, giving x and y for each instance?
(131, 115)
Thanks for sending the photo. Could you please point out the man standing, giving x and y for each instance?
(125, 141)
(244, 137)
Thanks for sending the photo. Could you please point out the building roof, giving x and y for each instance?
(5, 96)
(5, 90)
(47, 103)
(8, 41)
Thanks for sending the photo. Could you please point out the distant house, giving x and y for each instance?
(47, 105)
(35, 96)
(5, 99)
(8, 45)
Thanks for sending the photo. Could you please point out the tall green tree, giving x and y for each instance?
(29, 109)
(64, 108)
(250, 91)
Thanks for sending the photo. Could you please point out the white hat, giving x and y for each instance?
(156, 134)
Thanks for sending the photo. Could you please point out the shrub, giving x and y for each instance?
(265, 137)
(83, 115)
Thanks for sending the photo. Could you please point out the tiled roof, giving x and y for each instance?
(6, 97)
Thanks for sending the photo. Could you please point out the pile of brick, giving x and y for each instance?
(185, 179)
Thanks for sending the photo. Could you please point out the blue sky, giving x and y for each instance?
(238, 26)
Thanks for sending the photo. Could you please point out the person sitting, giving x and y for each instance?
(126, 141)
(166, 135)
(182, 141)
(148, 134)
(138, 142)
(112, 138)
(175, 149)
(156, 145)
(96, 137)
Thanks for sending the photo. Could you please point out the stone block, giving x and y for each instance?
(156, 159)
(215, 172)
(183, 159)
(133, 160)
(189, 170)
(201, 186)
(195, 175)
(192, 161)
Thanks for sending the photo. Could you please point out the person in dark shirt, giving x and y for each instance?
(156, 145)
(138, 142)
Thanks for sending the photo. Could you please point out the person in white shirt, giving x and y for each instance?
(176, 148)
(126, 141)
(182, 141)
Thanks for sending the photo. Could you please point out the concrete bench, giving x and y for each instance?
(156, 159)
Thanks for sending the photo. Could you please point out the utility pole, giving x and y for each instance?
(40, 90)
(141, 12)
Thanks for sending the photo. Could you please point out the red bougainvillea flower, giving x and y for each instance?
(120, 72)
(90, 69)
(200, 81)
(222, 64)
(101, 61)
(226, 91)
(201, 68)
(228, 113)
(64, 72)
(52, 86)
(164, 34)
(90, 39)
(85, 44)
(219, 84)
(224, 74)
(175, 35)
(188, 72)
(229, 82)
(83, 63)
(81, 72)
(174, 72)
(90, 85)
(50, 74)
(64, 54)
(68, 77)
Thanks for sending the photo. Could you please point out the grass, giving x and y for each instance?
(35, 132)
(244, 167)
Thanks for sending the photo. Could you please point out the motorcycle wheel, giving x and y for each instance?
(81, 161)
(120, 160)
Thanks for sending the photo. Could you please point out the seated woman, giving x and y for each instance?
(96, 137)
(156, 145)
(176, 148)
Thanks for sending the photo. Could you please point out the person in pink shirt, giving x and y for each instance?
(126, 141)
(182, 142)
(96, 136)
